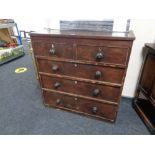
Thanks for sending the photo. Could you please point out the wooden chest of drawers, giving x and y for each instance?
(82, 71)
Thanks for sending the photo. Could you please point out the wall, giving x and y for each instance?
(144, 30)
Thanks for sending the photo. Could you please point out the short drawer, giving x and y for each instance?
(82, 106)
(53, 48)
(59, 100)
(81, 88)
(97, 109)
(99, 73)
(102, 54)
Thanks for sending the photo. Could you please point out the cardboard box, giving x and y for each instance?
(5, 35)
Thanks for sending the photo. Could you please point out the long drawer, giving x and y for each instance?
(81, 106)
(99, 73)
(81, 88)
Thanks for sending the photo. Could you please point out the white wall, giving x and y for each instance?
(29, 24)
(144, 30)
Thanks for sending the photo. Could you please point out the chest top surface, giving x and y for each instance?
(85, 34)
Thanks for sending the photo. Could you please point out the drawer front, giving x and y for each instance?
(54, 49)
(81, 88)
(106, 74)
(97, 109)
(60, 100)
(84, 106)
(109, 55)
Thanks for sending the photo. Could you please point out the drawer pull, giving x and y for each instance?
(59, 101)
(99, 56)
(52, 50)
(55, 68)
(96, 92)
(57, 85)
(94, 110)
(98, 74)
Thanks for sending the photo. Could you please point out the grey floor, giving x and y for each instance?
(22, 111)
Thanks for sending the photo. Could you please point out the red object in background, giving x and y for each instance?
(11, 45)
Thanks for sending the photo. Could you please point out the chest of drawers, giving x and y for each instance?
(82, 71)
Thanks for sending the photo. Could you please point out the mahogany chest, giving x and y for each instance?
(82, 71)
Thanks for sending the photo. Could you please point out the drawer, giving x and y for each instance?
(102, 54)
(53, 48)
(80, 105)
(81, 88)
(99, 73)
(97, 109)
(59, 100)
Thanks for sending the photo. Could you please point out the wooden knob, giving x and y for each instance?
(96, 92)
(55, 68)
(52, 50)
(94, 110)
(99, 56)
(98, 74)
(59, 101)
(57, 85)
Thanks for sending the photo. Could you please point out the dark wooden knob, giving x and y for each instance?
(94, 110)
(98, 74)
(96, 92)
(55, 68)
(59, 101)
(57, 85)
(99, 56)
(52, 51)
